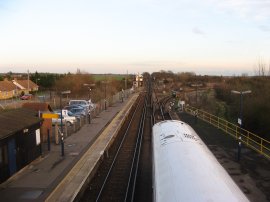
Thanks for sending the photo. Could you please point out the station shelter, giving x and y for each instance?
(19, 140)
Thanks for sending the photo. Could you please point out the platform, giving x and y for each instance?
(55, 178)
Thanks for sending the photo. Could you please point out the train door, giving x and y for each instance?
(12, 156)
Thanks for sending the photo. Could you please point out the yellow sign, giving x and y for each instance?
(50, 116)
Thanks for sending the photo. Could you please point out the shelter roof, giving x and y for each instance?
(37, 106)
(12, 121)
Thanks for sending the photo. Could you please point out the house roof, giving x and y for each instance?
(24, 84)
(37, 106)
(7, 86)
(12, 121)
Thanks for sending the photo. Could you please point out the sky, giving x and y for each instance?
(214, 37)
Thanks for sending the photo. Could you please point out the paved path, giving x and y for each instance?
(37, 180)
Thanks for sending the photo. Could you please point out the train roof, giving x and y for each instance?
(185, 169)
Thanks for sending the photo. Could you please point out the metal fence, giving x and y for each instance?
(250, 139)
(100, 106)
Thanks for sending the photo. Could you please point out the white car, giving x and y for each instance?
(66, 119)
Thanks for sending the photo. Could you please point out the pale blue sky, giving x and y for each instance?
(115, 36)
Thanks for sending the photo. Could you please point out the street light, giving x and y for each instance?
(90, 101)
(89, 87)
(241, 93)
(105, 93)
(61, 118)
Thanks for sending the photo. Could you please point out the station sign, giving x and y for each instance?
(239, 121)
(50, 116)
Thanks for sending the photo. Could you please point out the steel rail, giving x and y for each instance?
(162, 106)
(135, 161)
(118, 150)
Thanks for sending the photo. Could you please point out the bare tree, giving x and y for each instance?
(260, 69)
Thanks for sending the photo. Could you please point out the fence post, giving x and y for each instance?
(48, 139)
(66, 131)
(239, 149)
(74, 126)
(89, 118)
(56, 134)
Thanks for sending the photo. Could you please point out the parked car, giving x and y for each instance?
(69, 113)
(69, 107)
(79, 111)
(77, 106)
(66, 118)
(26, 97)
(84, 103)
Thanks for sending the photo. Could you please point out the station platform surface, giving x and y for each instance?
(52, 177)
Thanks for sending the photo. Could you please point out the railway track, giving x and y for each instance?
(143, 189)
(116, 178)
(126, 171)
(160, 112)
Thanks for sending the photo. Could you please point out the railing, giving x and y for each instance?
(100, 106)
(250, 139)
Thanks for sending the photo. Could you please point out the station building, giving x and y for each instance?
(19, 140)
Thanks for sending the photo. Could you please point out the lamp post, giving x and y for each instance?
(105, 91)
(90, 101)
(240, 119)
(241, 93)
(89, 88)
(61, 118)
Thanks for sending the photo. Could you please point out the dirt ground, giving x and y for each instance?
(251, 173)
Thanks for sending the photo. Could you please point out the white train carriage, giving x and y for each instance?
(185, 170)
